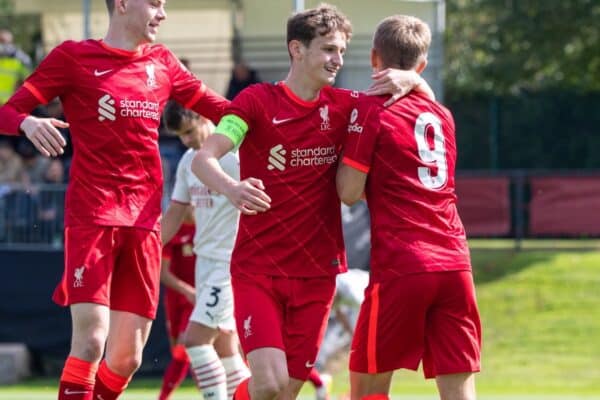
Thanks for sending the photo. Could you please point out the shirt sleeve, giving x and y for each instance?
(238, 118)
(49, 80)
(192, 93)
(181, 193)
(363, 129)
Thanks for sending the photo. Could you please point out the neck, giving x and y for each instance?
(118, 37)
(302, 86)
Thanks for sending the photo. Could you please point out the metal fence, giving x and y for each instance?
(509, 204)
(31, 216)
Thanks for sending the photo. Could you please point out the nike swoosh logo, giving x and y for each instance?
(69, 392)
(100, 73)
(280, 121)
(309, 364)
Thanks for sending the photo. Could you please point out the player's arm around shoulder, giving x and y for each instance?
(398, 83)
(248, 196)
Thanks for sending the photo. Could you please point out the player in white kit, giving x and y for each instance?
(210, 338)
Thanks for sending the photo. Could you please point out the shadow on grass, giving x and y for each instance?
(492, 265)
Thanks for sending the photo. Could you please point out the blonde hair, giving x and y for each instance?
(402, 41)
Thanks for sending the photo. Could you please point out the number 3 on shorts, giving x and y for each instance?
(215, 293)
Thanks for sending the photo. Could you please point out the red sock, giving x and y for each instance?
(77, 380)
(175, 373)
(109, 385)
(315, 378)
(376, 396)
(242, 393)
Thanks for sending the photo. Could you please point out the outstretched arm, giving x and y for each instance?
(248, 196)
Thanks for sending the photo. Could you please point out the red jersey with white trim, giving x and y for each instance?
(113, 100)
(408, 151)
(294, 147)
(180, 252)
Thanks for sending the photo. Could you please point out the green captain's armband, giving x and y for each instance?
(234, 128)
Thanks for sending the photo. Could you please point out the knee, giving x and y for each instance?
(126, 365)
(90, 348)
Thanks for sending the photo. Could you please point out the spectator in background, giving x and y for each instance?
(241, 77)
(11, 165)
(15, 65)
(34, 164)
(51, 203)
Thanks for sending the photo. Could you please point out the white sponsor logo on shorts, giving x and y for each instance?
(79, 276)
(247, 327)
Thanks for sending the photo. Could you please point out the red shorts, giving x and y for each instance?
(286, 313)
(431, 317)
(115, 266)
(177, 314)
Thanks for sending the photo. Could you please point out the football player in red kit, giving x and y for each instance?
(420, 303)
(113, 92)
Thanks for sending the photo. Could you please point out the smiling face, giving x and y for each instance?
(142, 18)
(321, 60)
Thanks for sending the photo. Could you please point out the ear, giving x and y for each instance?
(375, 61)
(121, 5)
(296, 49)
(421, 65)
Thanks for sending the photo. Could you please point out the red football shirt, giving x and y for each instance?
(409, 153)
(294, 147)
(180, 252)
(113, 100)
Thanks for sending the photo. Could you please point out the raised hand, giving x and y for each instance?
(398, 83)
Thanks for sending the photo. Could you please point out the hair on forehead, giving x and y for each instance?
(319, 21)
(174, 115)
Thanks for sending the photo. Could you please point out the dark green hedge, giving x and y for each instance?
(547, 130)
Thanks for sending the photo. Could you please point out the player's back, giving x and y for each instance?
(410, 188)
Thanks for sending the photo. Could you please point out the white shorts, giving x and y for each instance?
(214, 297)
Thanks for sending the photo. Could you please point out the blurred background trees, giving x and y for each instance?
(523, 80)
(505, 46)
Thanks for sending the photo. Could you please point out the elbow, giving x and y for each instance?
(349, 199)
(347, 195)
